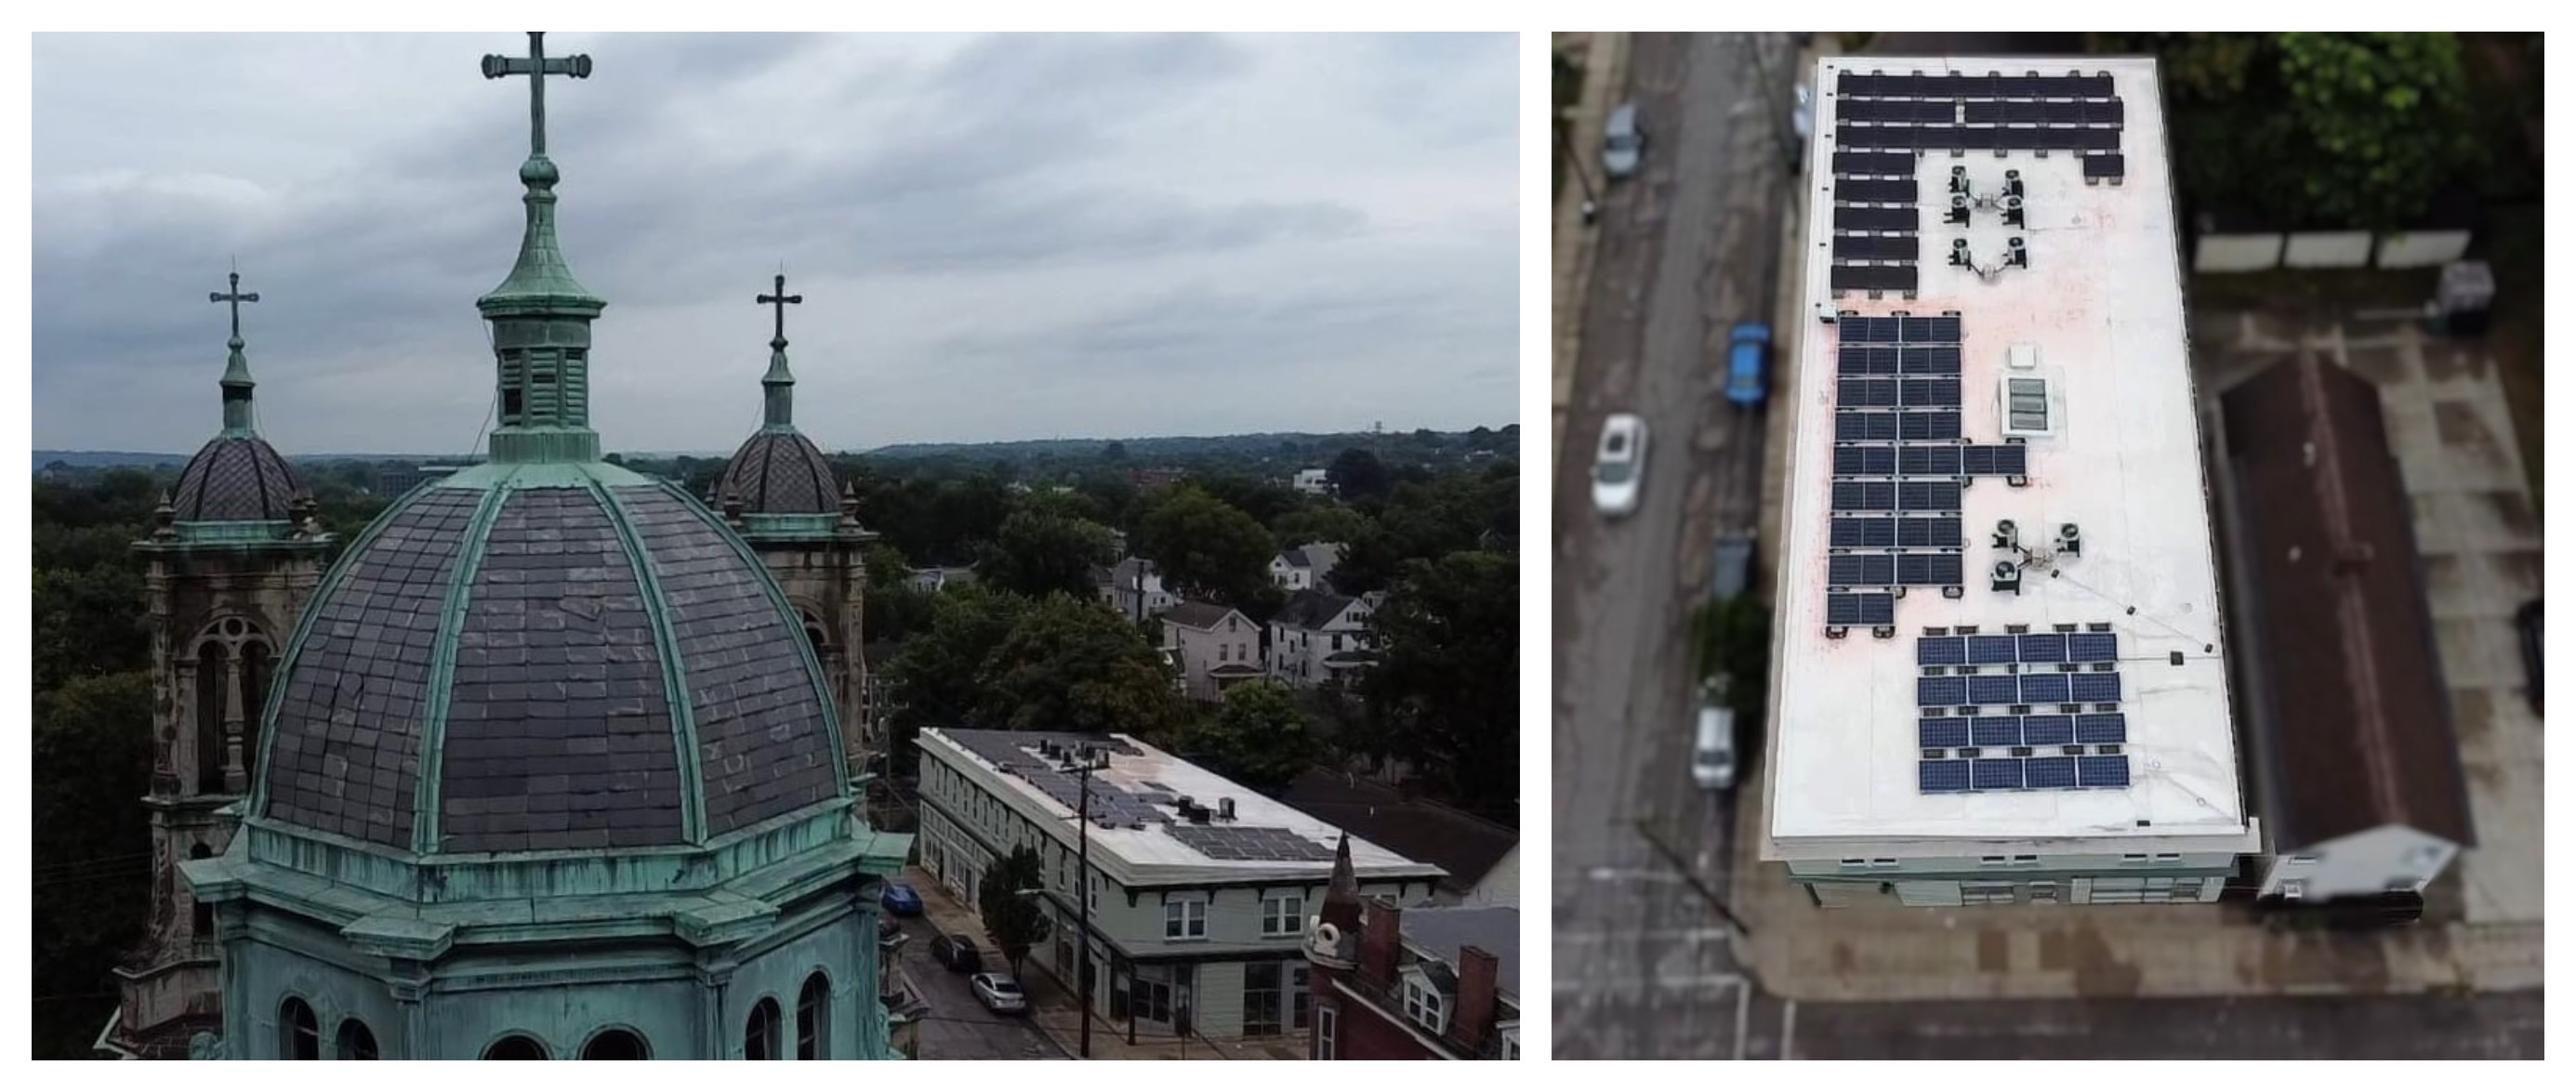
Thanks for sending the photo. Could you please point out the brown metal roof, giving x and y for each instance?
(2357, 723)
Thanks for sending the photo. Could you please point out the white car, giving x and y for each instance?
(1619, 468)
(1713, 752)
(999, 992)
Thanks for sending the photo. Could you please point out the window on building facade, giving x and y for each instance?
(356, 1043)
(814, 1018)
(1185, 919)
(760, 1033)
(1091, 893)
(1283, 915)
(1151, 999)
(515, 1048)
(1327, 1030)
(615, 1045)
(1424, 1004)
(1300, 1002)
(1262, 999)
(299, 1036)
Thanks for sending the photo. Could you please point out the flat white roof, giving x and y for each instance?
(1150, 842)
(2101, 302)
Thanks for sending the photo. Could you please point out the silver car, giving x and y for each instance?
(1713, 751)
(1619, 467)
(1000, 992)
(1623, 145)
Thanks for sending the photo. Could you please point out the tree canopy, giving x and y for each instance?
(1209, 549)
(1038, 553)
(1015, 922)
(1443, 691)
(1259, 736)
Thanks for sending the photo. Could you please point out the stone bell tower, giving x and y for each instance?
(232, 560)
(778, 493)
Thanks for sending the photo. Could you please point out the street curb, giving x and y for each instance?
(1572, 242)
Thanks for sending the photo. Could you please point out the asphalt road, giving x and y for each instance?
(1687, 250)
(958, 1026)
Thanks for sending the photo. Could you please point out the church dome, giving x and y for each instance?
(536, 657)
(780, 472)
(235, 477)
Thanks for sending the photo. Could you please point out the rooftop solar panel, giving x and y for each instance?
(1941, 691)
(1896, 191)
(2087, 648)
(2043, 648)
(2102, 771)
(2048, 688)
(1998, 773)
(1928, 496)
(2047, 730)
(1941, 459)
(1865, 391)
(1995, 731)
(2097, 686)
(1942, 732)
(2049, 773)
(1941, 650)
(2101, 728)
(1942, 776)
(1990, 648)
(1930, 570)
(1993, 690)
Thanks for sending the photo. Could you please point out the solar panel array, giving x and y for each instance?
(2019, 710)
(1882, 121)
(1896, 398)
(1019, 754)
(1233, 843)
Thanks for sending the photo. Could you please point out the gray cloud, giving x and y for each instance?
(998, 237)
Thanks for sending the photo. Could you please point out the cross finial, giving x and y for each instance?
(778, 303)
(236, 297)
(536, 67)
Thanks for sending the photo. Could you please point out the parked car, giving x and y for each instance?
(1623, 144)
(1619, 467)
(1713, 749)
(1747, 354)
(901, 900)
(1732, 568)
(957, 952)
(1000, 993)
(1802, 121)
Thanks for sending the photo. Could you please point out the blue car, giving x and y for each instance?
(901, 900)
(1745, 381)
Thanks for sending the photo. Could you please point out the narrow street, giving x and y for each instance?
(958, 1025)
(1688, 248)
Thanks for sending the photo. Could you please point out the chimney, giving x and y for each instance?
(1476, 1001)
(1382, 937)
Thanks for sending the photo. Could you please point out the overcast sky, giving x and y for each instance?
(996, 237)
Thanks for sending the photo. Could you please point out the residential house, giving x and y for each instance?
(1393, 984)
(942, 577)
(1309, 566)
(1318, 636)
(1315, 480)
(2359, 775)
(1199, 890)
(1150, 478)
(1481, 857)
(1133, 588)
(1216, 647)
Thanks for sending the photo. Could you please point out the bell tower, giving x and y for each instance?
(232, 559)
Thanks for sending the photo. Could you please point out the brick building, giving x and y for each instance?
(1399, 985)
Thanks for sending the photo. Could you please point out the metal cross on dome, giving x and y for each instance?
(236, 298)
(536, 66)
(779, 302)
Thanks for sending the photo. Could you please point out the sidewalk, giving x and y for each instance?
(1056, 1014)
(1605, 74)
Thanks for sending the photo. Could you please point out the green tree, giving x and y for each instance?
(1074, 665)
(88, 622)
(1209, 549)
(1038, 554)
(1320, 523)
(940, 676)
(1014, 921)
(1357, 474)
(1442, 691)
(92, 746)
(1259, 737)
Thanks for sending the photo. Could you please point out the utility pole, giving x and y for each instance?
(1082, 819)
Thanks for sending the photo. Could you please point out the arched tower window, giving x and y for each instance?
(616, 1045)
(515, 1048)
(210, 717)
(760, 1035)
(256, 666)
(299, 1035)
(814, 1019)
(357, 1044)
(204, 911)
